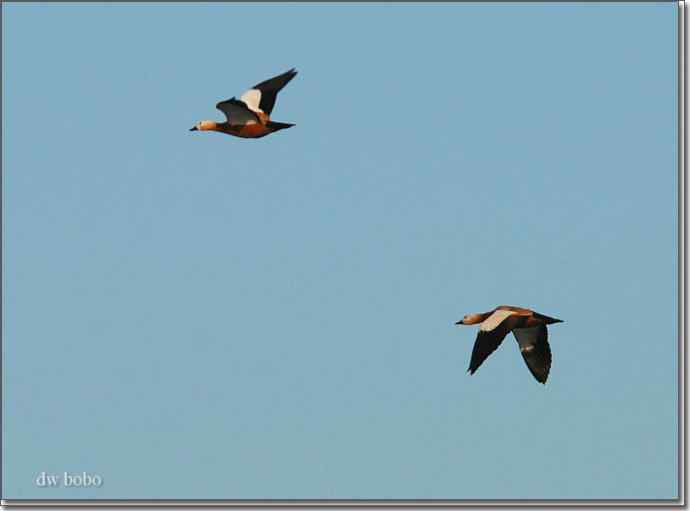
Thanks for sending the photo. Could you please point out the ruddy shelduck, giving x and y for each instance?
(529, 329)
(249, 116)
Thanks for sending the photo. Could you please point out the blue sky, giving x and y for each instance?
(191, 315)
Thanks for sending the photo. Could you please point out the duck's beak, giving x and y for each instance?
(194, 129)
(459, 322)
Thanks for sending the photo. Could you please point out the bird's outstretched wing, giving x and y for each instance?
(492, 331)
(237, 112)
(534, 346)
(262, 97)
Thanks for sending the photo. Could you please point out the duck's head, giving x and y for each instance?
(470, 319)
(204, 126)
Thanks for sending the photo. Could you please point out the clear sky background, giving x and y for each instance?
(191, 315)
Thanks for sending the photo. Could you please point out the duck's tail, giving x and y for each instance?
(276, 126)
(548, 320)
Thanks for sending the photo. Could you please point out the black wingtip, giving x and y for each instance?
(287, 76)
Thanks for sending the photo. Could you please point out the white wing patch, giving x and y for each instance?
(494, 320)
(252, 98)
(527, 338)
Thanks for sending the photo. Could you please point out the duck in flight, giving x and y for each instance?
(529, 329)
(249, 116)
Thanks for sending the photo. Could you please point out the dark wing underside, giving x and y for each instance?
(270, 88)
(488, 341)
(237, 112)
(534, 346)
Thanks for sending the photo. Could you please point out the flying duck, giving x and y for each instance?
(249, 116)
(529, 329)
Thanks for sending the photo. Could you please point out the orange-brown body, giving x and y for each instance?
(524, 318)
(249, 130)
